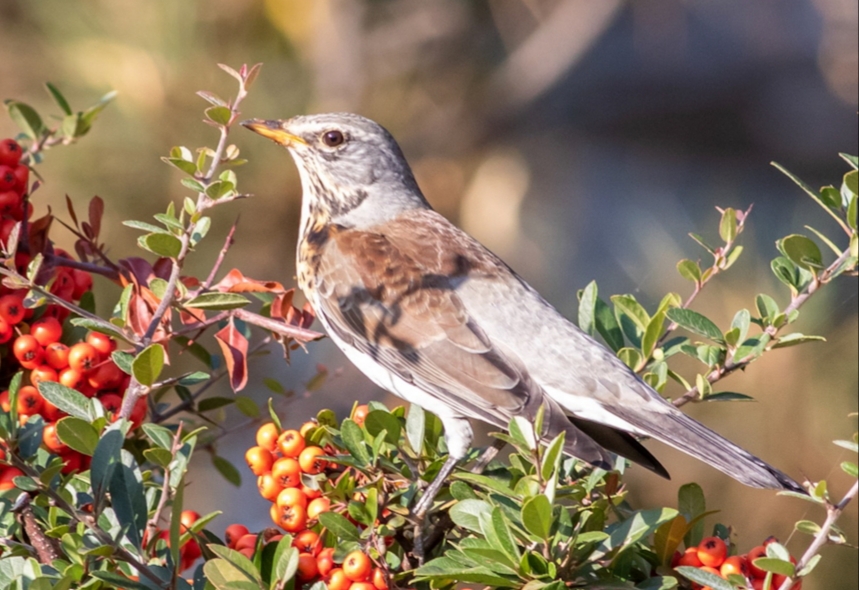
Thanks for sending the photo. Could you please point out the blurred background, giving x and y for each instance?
(580, 140)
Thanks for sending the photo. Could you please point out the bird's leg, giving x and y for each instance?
(425, 503)
(458, 436)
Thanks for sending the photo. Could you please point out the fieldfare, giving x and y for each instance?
(429, 314)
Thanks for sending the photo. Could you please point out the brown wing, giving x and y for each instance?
(406, 315)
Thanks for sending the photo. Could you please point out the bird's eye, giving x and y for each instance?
(333, 138)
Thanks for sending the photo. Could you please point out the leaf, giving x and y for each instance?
(104, 461)
(127, 498)
(159, 435)
(633, 529)
(247, 406)
(537, 516)
(68, 400)
(78, 434)
(219, 114)
(691, 503)
(30, 436)
(587, 308)
(850, 468)
(234, 347)
(802, 251)
(415, 428)
(728, 225)
(117, 581)
(728, 396)
(607, 326)
(238, 560)
(658, 583)
(218, 301)
(341, 528)
(59, 98)
(161, 244)
(796, 338)
(809, 191)
(705, 578)
(850, 159)
(632, 308)
(147, 365)
(353, 440)
(695, 323)
(467, 514)
(379, 420)
(552, 456)
(689, 270)
(287, 564)
(223, 575)
(227, 470)
(652, 334)
(775, 565)
(26, 118)
(446, 568)
(667, 538)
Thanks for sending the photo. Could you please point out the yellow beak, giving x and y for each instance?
(273, 130)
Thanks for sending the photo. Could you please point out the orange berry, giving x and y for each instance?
(307, 427)
(268, 487)
(46, 330)
(12, 308)
(83, 357)
(57, 355)
(42, 373)
(291, 443)
(30, 401)
(103, 343)
(292, 519)
(247, 552)
(246, 540)
(307, 568)
(360, 414)
(51, 440)
(27, 349)
(325, 561)
(287, 472)
(291, 497)
(267, 436)
(735, 564)
(7, 474)
(310, 492)
(317, 507)
(310, 462)
(379, 579)
(357, 566)
(186, 519)
(106, 376)
(70, 377)
(233, 533)
(712, 551)
(337, 580)
(259, 460)
(307, 541)
(690, 558)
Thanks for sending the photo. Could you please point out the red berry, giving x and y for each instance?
(22, 182)
(10, 152)
(712, 551)
(10, 202)
(7, 178)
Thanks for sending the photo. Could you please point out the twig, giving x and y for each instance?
(228, 242)
(770, 332)
(833, 512)
(301, 335)
(152, 525)
(111, 273)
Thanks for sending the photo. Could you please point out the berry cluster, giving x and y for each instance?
(285, 463)
(32, 339)
(711, 555)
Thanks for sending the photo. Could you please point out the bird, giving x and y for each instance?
(432, 316)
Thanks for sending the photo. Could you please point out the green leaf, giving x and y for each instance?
(667, 539)
(26, 118)
(446, 568)
(218, 301)
(714, 581)
(796, 338)
(850, 159)
(728, 396)
(30, 436)
(587, 308)
(691, 503)
(247, 406)
(287, 564)
(415, 428)
(553, 456)
(78, 434)
(220, 115)
(159, 435)
(775, 565)
(639, 525)
(632, 308)
(808, 527)
(147, 365)
(607, 326)
(689, 270)
(127, 498)
(537, 516)
(851, 183)
(160, 457)
(59, 98)
(468, 513)
(728, 225)
(802, 251)
(106, 457)
(652, 334)
(379, 420)
(161, 244)
(227, 470)
(658, 583)
(116, 581)
(631, 357)
(68, 400)
(850, 468)
(809, 191)
(341, 528)
(695, 323)
(353, 439)
(851, 212)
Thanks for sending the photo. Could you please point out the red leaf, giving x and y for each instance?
(96, 210)
(162, 268)
(138, 269)
(236, 282)
(71, 210)
(281, 304)
(235, 349)
(38, 230)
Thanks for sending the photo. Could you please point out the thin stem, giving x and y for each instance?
(301, 335)
(771, 331)
(152, 524)
(833, 512)
(110, 273)
(221, 255)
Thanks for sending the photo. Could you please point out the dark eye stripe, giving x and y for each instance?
(333, 138)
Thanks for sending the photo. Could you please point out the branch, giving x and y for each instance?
(152, 524)
(110, 273)
(301, 335)
(833, 512)
(770, 332)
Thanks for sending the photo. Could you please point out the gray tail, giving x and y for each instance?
(693, 438)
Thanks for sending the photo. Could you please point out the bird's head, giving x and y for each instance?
(350, 166)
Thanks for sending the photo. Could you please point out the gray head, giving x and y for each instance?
(351, 168)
